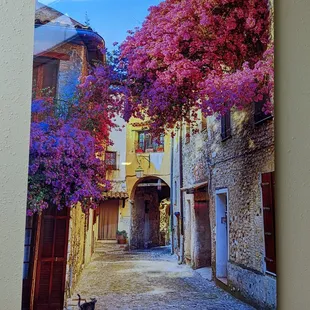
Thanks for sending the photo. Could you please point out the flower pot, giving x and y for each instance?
(121, 241)
(139, 151)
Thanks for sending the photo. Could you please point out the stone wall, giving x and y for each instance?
(237, 164)
(197, 239)
(253, 286)
(145, 219)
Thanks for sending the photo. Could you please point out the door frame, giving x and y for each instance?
(219, 243)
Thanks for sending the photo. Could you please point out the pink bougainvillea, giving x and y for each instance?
(67, 143)
(194, 54)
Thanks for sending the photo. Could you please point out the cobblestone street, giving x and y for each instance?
(149, 279)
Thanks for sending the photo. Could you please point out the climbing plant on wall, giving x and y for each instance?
(193, 54)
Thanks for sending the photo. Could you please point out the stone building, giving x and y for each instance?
(241, 150)
(191, 225)
(58, 243)
(230, 163)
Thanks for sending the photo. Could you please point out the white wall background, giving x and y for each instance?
(16, 50)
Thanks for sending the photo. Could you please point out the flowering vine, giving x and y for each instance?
(194, 54)
(67, 143)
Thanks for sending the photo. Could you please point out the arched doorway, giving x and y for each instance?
(147, 195)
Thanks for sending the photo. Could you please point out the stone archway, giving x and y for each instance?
(145, 213)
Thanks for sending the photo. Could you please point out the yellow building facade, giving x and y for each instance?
(148, 184)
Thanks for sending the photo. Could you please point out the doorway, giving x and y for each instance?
(108, 219)
(222, 248)
(52, 259)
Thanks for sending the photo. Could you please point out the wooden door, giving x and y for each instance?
(108, 220)
(268, 184)
(51, 270)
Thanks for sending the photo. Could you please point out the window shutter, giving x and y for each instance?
(111, 160)
(203, 122)
(259, 115)
(269, 220)
(50, 282)
(225, 125)
(50, 76)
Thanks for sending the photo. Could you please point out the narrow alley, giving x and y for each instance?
(147, 279)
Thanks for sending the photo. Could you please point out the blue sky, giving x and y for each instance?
(110, 18)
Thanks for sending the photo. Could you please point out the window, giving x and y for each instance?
(225, 126)
(146, 143)
(268, 182)
(187, 133)
(45, 76)
(111, 160)
(203, 122)
(259, 115)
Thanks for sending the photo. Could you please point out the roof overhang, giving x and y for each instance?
(48, 37)
(195, 186)
(115, 195)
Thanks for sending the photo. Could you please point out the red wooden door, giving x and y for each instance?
(268, 182)
(50, 281)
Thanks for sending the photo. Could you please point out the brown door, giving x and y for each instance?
(108, 220)
(268, 183)
(50, 281)
(30, 237)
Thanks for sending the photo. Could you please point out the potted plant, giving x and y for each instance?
(139, 151)
(121, 237)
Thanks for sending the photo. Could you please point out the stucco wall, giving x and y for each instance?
(15, 88)
(162, 170)
(75, 249)
(176, 197)
(80, 245)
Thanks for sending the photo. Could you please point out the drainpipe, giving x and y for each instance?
(171, 197)
(181, 259)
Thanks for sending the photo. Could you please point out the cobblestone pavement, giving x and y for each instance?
(149, 279)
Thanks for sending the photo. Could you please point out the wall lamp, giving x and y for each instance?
(139, 171)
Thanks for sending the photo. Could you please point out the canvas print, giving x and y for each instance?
(151, 158)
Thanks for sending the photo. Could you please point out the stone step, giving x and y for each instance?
(107, 241)
(110, 247)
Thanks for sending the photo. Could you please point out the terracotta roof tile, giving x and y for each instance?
(115, 195)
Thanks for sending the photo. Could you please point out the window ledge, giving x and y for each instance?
(269, 273)
(263, 120)
(226, 138)
(149, 152)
